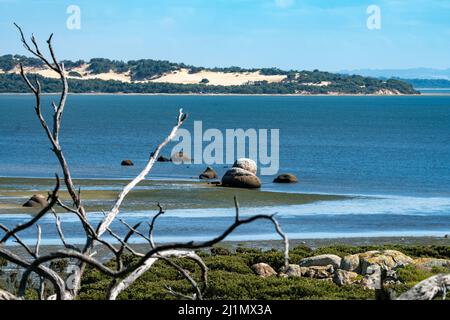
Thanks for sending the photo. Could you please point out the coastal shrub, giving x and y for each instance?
(243, 250)
(228, 263)
(74, 74)
(68, 64)
(339, 250)
(230, 276)
(273, 257)
(415, 251)
(437, 270)
(248, 287)
(220, 251)
(59, 265)
(410, 275)
(433, 251)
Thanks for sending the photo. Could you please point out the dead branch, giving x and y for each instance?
(5, 295)
(53, 199)
(121, 197)
(122, 276)
(428, 289)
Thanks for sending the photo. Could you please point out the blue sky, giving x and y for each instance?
(290, 34)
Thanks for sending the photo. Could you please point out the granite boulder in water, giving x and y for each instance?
(286, 178)
(242, 175)
(127, 163)
(208, 174)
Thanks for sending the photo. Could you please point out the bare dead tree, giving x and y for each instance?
(428, 289)
(122, 276)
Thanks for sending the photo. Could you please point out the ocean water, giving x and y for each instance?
(393, 153)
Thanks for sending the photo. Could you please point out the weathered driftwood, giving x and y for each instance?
(121, 277)
(428, 289)
(5, 295)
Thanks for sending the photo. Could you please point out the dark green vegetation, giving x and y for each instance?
(231, 277)
(305, 82)
(9, 62)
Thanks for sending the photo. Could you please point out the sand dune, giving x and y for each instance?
(181, 76)
(217, 78)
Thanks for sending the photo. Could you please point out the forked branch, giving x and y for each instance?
(122, 276)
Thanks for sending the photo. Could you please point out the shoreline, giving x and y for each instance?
(230, 94)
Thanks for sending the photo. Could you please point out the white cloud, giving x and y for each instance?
(284, 3)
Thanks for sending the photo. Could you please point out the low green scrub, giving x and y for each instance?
(231, 277)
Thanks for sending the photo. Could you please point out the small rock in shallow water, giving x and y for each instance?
(208, 174)
(163, 159)
(127, 163)
(37, 200)
(286, 178)
(180, 157)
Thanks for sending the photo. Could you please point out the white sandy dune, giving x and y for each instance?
(181, 76)
(217, 78)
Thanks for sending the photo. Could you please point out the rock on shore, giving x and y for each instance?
(242, 175)
(36, 201)
(208, 174)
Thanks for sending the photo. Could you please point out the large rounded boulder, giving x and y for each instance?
(321, 260)
(246, 164)
(240, 178)
(263, 270)
(385, 260)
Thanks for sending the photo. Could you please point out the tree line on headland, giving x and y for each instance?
(295, 82)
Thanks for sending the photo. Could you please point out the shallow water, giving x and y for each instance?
(391, 153)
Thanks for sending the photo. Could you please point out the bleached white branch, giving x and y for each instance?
(428, 289)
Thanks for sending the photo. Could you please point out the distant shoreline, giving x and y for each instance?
(231, 94)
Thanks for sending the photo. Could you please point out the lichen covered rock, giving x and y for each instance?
(350, 263)
(263, 270)
(343, 277)
(321, 260)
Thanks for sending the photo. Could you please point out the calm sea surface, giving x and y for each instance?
(395, 150)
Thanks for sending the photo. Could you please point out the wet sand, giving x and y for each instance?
(100, 195)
